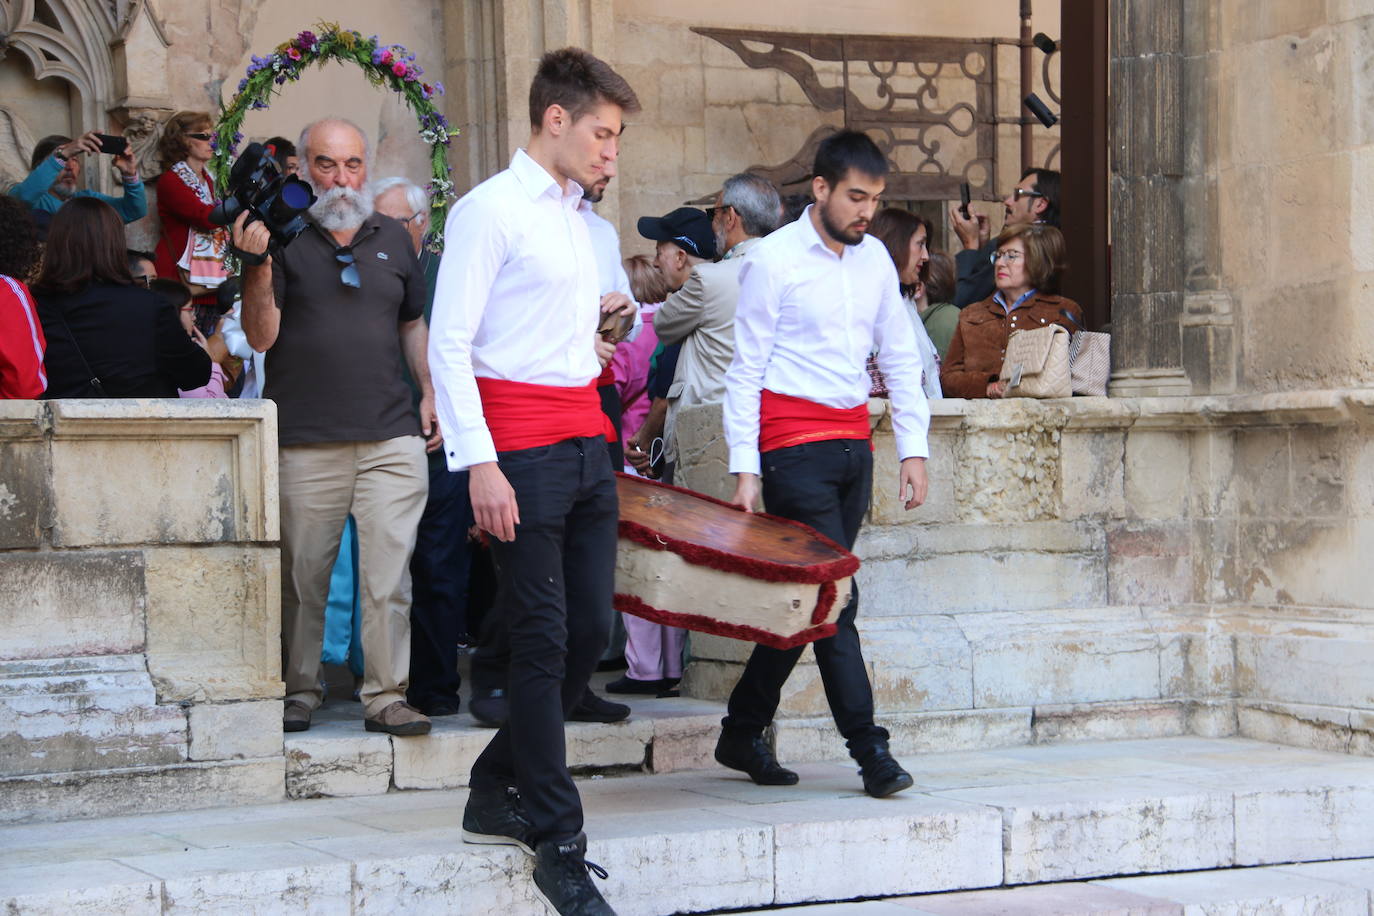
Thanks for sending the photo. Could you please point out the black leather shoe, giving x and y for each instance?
(490, 709)
(751, 754)
(627, 684)
(882, 774)
(495, 817)
(562, 882)
(595, 709)
(437, 707)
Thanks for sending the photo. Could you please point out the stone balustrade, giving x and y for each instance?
(1094, 568)
(140, 660)
(1088, 568)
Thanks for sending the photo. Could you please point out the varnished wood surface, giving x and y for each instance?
(698, 521)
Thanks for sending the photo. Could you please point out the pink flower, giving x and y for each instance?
(387, 58)
(293, 53)
(398, 68)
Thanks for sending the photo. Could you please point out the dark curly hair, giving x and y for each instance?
(173, 147)
(19, 248)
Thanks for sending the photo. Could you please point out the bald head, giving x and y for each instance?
(334, 153)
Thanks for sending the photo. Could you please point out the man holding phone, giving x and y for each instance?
(1035, 199)
(56, 166)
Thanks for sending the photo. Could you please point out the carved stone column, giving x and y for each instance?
(1147, 183)
(493, 49)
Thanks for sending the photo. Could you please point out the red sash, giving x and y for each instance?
(520, 415)
(607, 377)
(785, 421)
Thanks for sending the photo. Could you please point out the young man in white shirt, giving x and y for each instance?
(512, 353)
(816, 297)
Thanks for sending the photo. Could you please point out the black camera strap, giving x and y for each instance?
(94, 382)
(246, 257)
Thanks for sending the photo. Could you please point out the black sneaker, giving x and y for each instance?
(495, 817)
(882, 774)
(627, 684)
(593, 708)
(751, 754)
(490, 709)
(561, 880)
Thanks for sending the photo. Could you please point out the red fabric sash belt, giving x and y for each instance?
(607, 376)
(785, 421)
(520, 415)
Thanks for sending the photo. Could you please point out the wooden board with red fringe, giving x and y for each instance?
(690, 561)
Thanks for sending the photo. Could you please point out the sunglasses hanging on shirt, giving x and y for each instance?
(349, 275)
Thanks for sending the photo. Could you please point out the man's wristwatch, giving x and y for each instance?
(59, 155)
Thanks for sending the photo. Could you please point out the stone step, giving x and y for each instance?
(1344, 888)
(702, 841)
(338, 758)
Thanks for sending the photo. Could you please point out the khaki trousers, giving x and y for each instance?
(384, 485)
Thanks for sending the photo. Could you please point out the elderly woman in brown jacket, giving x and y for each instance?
(1026, 268)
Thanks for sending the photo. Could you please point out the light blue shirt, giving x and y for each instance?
(35, 192)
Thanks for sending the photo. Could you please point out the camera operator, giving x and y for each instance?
(1034, 200)
(329, 310)
(56, 166)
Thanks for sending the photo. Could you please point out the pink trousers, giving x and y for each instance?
(652, 651)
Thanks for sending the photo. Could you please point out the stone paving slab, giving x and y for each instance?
(708, 841)
(1342, 888)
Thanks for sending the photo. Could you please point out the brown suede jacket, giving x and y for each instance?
(975, 353)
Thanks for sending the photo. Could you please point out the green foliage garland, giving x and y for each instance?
(385, 65)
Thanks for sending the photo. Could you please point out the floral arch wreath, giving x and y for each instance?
(384, 65)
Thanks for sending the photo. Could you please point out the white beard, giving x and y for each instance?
(339, 208)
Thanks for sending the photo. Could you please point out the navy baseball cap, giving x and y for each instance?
(686, 227)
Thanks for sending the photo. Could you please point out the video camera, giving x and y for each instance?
(257, 185)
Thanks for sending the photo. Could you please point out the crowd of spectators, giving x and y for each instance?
(375, 527)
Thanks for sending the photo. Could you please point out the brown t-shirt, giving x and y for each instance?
(335, 370)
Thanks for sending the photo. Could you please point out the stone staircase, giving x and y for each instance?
(1064, 827)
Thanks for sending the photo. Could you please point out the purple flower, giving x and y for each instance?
(439, 88)
(378, 54)
(258, 104)
(243, 84)
(280, 79)
(307, 40)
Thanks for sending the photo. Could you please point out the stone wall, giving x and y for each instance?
(1108, 568)
(140, 664)
(1242, 152)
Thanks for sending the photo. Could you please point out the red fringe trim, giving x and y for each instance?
(763, 570)
(629, 604)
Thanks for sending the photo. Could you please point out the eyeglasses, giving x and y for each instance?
(1025, 192)
(1011, 257)
(712, 211)
(144, 280)
(201, 135)
(349, 275)
(405, 220)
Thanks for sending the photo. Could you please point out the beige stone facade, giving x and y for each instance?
(1187, 556)
(140, 661)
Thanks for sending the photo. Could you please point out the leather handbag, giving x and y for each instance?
(1037, 364)
(1090, 360)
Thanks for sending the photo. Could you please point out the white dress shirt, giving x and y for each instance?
(517, 298)
(804, 326)
(609, 266)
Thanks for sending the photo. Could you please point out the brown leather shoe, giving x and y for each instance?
(401, 719)
(295, 716)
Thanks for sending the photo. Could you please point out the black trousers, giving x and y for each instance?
(439, 576)
(611, 407)
(554, 584)
(826, 485)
